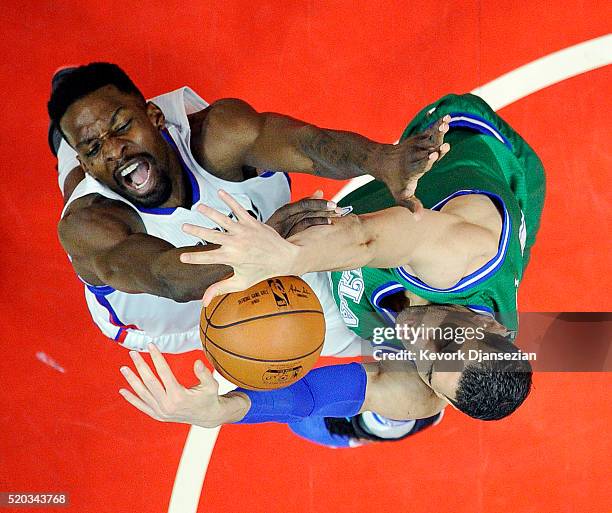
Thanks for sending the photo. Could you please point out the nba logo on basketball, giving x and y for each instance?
(278, 289)
(290, 375)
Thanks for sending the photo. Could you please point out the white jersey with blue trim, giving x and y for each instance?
(137, 319)
(134, 320)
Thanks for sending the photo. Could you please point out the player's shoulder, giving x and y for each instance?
(476, 209)
(93, 205)
(229, 118)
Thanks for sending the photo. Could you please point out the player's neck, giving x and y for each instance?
(181, 195)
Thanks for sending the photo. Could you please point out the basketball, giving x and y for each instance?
(268, 336)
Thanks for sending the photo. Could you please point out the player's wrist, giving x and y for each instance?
(383, 162)
(235, 405)
(294, 260)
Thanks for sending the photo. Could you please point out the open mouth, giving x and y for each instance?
(136, 175)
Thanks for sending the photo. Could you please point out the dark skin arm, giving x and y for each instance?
(108, 244)
(230, 135)
(231, 140)
(72, 180)
(107, 240)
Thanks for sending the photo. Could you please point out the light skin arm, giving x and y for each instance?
(440, 247)
(437, 247)
(394, 393)
(232, 135)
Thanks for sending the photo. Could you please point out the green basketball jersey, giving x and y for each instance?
(487, 157)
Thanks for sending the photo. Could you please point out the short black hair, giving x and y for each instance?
(78, 82)
(493, 389)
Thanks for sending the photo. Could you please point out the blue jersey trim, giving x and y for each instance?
(100, 290)
(195, 188)
(113, 315)
(381, 292)
(481, 309)
(488, 269)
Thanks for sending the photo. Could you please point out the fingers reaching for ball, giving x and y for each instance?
(246, 246)
(166, 400)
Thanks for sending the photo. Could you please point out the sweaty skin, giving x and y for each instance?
(112, 130)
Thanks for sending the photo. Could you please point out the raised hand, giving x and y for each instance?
(409, 160)
(169, 401)
(254, 250)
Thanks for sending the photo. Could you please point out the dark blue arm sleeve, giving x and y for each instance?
(333, 391)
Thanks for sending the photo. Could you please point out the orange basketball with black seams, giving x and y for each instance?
(268, 336)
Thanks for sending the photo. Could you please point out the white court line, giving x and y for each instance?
(192, 469)
(194, 462)
(549, 70)
(353, 185)
(528, 79)
(499, 93)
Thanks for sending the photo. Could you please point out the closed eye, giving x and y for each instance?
(124, 127)
(93, 151)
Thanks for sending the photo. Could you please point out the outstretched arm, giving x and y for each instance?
(438, 247)
(234, 135)
(108, 245)
(332, 391)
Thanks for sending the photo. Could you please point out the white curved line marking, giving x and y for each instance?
(192, 469)
(549, 70)
(353, 185)
(499, 93)
(528, 79)
(194, 462)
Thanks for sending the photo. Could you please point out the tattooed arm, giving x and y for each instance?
(233, 135)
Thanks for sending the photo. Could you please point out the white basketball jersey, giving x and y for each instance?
(134, 320)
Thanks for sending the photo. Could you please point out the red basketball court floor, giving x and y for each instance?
(366, 66)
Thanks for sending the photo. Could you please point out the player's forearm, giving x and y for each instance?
(387, 238)
(288, 144)
(345, 244)
(332, 391)
(342, 391)
(148, 265)
(182, 282)
(440, 248)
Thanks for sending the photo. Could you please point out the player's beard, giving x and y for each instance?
(158, 196)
